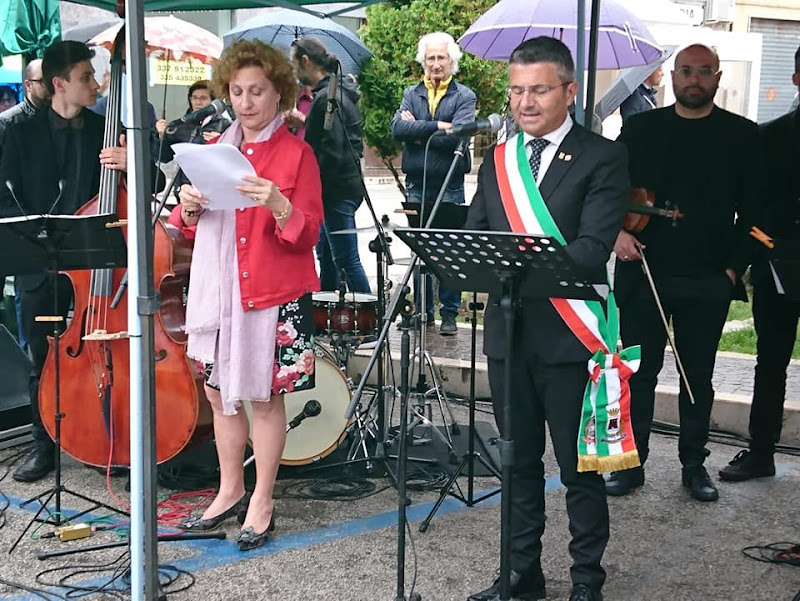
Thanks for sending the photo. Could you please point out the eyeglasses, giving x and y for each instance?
(36, 80)
(537, 91)
(702, 72)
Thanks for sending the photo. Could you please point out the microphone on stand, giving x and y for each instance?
(333, 87)
(312, 408)
(492, 123)
(216, 108)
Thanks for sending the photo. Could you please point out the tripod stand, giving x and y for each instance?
(468, 459)
(30, 245)
(512, 266)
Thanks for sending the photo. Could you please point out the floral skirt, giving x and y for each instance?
(293, 369)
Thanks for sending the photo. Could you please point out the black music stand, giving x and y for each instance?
(54, 243)
(513, 266)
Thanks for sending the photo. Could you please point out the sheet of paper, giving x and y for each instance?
(216, 170)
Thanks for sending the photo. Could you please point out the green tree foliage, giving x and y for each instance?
(391, 33)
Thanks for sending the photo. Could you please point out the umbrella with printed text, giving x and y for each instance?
(171, 39)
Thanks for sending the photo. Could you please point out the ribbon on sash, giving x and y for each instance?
(605, 440)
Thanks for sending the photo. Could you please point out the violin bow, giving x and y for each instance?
(672, 345)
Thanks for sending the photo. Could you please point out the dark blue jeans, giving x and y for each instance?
(340, 252)
(450, 299)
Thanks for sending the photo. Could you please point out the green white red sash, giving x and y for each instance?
(605, 440)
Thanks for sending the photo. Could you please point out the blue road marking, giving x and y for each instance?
(214, 553)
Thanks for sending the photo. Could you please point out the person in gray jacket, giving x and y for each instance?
(436, 103)
(36, 96)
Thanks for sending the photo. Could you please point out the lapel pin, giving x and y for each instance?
(561, 156)
(568, 157)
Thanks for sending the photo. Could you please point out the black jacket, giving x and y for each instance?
(586, 196)
(457, 106)
(780, 140)
(21, 112)
(338, 150)
(710, 169)
(643, 99)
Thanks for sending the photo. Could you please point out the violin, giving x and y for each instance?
(641, 206)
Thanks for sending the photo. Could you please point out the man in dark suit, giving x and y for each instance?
(708, 165)
(775, 315)
(644, 97)
(52, 165)
(584, 183)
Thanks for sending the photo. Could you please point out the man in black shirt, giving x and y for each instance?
(707, 165)
(52, 163)
(775, 315)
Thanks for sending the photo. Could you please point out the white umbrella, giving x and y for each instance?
(627, 82)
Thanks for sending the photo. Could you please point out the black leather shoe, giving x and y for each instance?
(523, 587)
(700, 486)
(37, 465)
(448, 327)
(747, 465)
(581, 592)
(196, 523)
(247, 539)
(622, 483)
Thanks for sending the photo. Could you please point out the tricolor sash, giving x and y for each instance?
(605, 440)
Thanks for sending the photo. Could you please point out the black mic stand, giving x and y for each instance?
(402, 455)
(60, 244)
(468, 459)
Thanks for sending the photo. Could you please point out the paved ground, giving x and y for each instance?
(664, 546)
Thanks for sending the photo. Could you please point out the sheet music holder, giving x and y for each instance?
(49, 244)
(60, 242)
(514, 266)
(449, 216)
(481, 261)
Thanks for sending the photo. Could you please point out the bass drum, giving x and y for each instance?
(319, 436)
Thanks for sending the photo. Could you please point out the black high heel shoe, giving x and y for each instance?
(196, 523)
(247, 539)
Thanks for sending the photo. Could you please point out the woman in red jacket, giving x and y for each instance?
(249, 312)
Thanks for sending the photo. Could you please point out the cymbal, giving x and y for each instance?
(369, 229)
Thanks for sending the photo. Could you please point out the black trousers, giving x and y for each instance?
(775, 317)
(41, 301)
(697, 325)
(551, 393)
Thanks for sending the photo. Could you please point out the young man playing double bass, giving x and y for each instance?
(51, 165)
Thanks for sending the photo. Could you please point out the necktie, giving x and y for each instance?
(537, 145)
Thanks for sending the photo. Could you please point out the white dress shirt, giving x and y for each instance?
(555, 138)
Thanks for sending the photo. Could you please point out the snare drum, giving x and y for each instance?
(355, 315)
(318, 436)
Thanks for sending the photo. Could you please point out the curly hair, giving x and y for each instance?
(255, 53)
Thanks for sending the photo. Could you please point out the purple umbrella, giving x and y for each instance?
(623, 40)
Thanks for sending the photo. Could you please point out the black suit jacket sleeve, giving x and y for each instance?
(603, 210)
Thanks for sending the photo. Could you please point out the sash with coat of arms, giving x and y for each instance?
(605, 440)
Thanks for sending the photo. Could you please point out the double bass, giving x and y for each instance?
(94, 350)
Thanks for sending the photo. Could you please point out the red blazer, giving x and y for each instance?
(277, 266)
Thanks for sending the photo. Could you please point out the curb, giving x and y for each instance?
(731, 412)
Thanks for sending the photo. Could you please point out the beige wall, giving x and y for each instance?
(764, 9)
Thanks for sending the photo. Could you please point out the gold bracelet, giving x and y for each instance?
(283, 214)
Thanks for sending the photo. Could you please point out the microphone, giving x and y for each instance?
(333, 87)
(312, 408)
(493, 123)
(10, 186)
(61, 183)
(216, 108)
